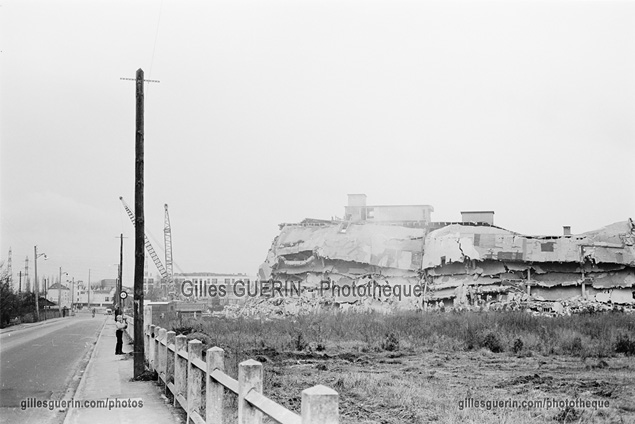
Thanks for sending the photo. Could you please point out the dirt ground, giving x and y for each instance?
(425, 385)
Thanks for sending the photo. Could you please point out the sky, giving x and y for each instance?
(273, 111)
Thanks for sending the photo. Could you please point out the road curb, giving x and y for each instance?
(82, 381)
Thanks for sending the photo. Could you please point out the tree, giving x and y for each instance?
(9, 301)
(154, 294)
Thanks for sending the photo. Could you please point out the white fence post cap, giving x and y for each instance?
(319, 390)
(250, 363)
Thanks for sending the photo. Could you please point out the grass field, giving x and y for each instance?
(414, 367)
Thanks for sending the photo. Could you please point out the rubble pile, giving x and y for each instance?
(309, 302)
(540, 307)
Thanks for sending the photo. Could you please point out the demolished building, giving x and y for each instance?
(462, 262)
(453, 263)
(346, 255)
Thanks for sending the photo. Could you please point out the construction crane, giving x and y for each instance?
(165, 276)
(167, 234)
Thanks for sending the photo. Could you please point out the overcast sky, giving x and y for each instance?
(272, 111)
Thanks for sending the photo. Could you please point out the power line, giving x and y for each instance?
(156, 37)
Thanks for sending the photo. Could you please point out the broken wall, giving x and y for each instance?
(477, 261)
(348, 255)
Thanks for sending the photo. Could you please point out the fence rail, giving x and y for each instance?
(181, 369)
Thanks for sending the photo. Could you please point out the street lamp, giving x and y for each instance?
(59, 293)
(72, 293)
(37, 284)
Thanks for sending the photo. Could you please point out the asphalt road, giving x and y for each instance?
(44, 362)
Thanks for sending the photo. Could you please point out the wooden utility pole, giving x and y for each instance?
(59, 293)
(89, 289)
(120, 288)
(139, 366)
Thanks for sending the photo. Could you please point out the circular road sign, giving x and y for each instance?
(123, 294)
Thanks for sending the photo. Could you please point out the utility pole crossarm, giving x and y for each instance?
(134, 79)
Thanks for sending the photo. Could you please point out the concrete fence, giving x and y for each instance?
(181, 370)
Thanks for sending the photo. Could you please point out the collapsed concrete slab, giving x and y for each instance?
(457, 265)
(475, 258)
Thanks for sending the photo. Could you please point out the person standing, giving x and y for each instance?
(120, 325)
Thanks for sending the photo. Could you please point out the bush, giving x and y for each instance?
(492, 342)
(625, 345)
(390, 343)
(518, 345)
(300, 343)
(573, 347)
(182, 331)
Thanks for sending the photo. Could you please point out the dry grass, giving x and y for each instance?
(412, 368)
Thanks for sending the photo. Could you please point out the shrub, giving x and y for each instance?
(574, 346)
(518, 345)
(390, 343)
(182, 331)
(492, 342)
(625, 345)
(471, 337)
(567, 415)
(300, 343)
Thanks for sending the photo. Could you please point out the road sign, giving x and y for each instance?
(123, 294)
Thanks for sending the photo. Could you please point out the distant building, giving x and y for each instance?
(232, 286)
(107, 283)
(358, 211)
(486, 217)
(58, 292)
(98, 297)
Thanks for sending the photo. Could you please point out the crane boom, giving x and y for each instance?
(149, 248)
(167, 233)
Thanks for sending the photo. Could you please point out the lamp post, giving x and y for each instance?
(72, 293)
(37, 288)
(59, 293)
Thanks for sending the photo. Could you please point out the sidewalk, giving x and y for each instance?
(108, 376)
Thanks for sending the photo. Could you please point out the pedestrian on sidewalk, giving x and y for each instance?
(120, 325)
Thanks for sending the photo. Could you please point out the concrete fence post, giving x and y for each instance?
(180, 369)
(163, 354)
(169, 360)
(194, 378)
(146, 345)
(249, 378)
(215, 391)
(320, 405)
(155, 343)
(151, 363)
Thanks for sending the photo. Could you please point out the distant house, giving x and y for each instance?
(189, 310)
(59, 293)
(157, 312)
